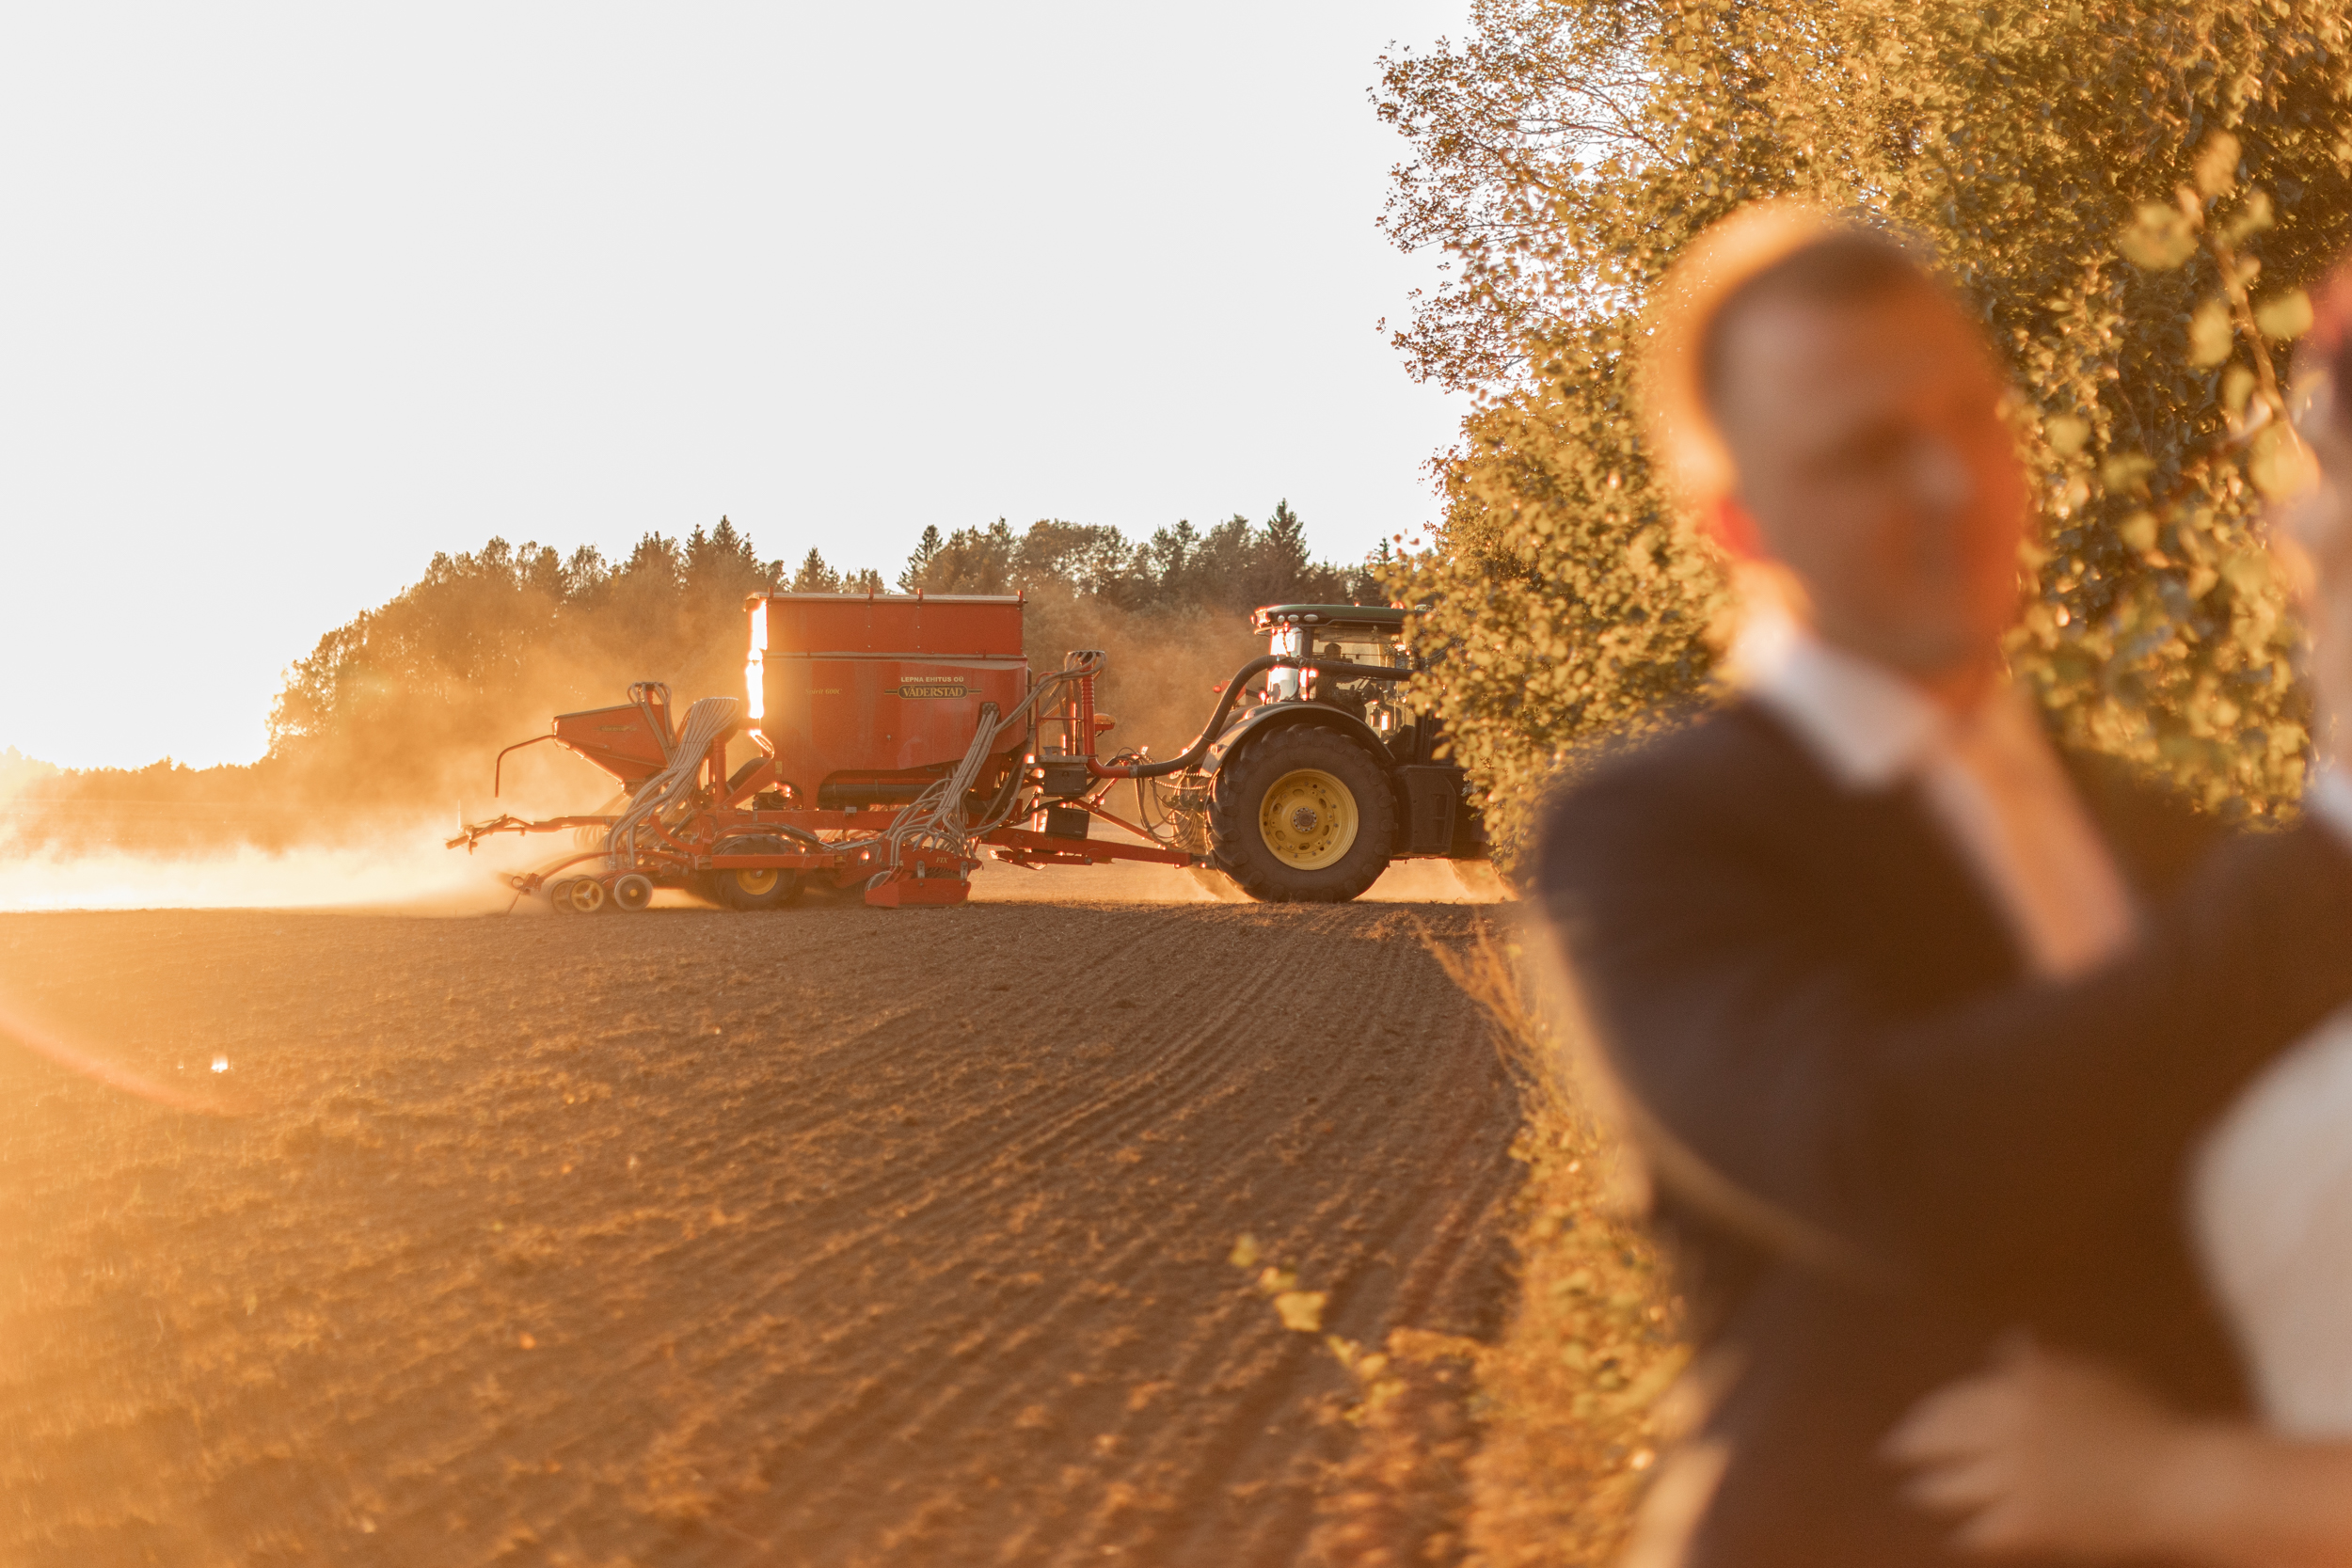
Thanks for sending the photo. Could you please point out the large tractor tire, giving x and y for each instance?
(1302, 817)
(769, 887)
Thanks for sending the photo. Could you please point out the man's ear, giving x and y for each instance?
(1734, 527)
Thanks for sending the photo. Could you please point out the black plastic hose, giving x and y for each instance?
(1198, 749)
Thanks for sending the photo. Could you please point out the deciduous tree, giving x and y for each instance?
(2131, 196)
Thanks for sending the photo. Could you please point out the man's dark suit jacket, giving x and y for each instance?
(1880, 1142)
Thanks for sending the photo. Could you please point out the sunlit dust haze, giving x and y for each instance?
(298, 296)
(404, 867)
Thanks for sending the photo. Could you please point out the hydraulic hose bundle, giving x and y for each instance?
(936, 820)
(1338, 669)
(675, 784)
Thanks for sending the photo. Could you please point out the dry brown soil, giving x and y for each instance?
(830, 1236)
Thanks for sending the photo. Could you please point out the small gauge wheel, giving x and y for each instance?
(576, 895)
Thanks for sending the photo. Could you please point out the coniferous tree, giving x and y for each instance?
(919, 562)
(814, 576)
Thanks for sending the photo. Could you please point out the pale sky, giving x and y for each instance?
(292, 297)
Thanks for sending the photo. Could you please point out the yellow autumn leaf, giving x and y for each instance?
(2279, 465)
(2236, 386)
(2217, 166)
(1244, 1253)
(2067, 434)
(2125, 472)
(2252, 218)
(1301, 1311)
(2287, 316)
(2158, 238)
(2248, 572)
(2209, 334)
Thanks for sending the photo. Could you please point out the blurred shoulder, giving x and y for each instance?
(1726, 763)
(2159, 832)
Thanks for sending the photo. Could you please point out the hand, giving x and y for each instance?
(2051, 1453)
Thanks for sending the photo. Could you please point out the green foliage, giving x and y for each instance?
(2132, 195)
(813, 576)
(1563, 603)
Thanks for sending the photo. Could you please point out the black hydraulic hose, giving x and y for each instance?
(1198, 749)
(499, 765)
(1006, 793)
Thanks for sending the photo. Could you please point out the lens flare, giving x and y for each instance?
(22, 1031)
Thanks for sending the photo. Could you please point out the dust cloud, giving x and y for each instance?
(405, 869)
(1163, 668)
(1132, 882)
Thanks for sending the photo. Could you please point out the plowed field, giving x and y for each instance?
(830, 1236)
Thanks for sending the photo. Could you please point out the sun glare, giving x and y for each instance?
(754, 679)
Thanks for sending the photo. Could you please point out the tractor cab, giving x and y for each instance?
(1360, 634)
(1357, 633)
(1310, 792)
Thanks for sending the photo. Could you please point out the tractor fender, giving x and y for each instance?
(1274, 716)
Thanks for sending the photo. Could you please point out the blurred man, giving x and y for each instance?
(1914, 1017)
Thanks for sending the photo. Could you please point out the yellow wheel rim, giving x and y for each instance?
(1308, 820)
(758, 881)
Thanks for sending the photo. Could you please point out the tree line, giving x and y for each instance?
(480, 625)
(403, 705)
(1232, 565)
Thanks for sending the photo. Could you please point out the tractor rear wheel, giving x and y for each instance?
(764, 888)
(1302, 817)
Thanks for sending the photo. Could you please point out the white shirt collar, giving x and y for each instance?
(1988, 778)
(1868, 725)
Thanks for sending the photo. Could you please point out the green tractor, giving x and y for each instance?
(1314, 774)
